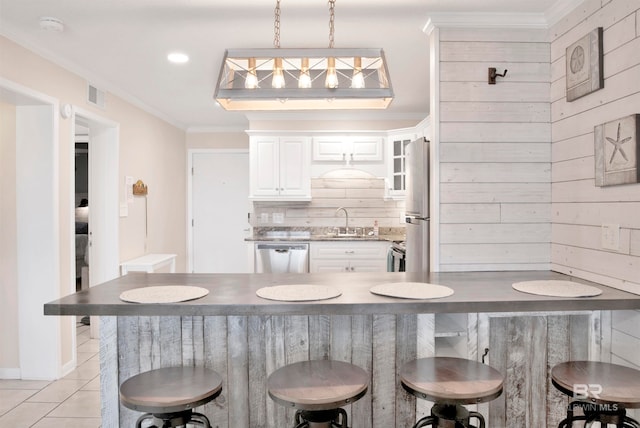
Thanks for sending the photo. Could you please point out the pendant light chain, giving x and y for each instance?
(276, 26)
(332, 16)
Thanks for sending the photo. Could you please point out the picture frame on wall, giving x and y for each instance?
(584, 62)
(617, 151)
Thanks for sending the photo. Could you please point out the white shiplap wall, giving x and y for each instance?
(579, 208)
(494, 150)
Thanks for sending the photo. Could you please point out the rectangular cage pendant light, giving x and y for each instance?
(304, 79)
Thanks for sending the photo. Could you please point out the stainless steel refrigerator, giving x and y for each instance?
(417, 205)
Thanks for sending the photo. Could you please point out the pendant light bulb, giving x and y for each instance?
(357, 81)
(304, 81)
(278, 76)
(331, 82)
(251, 81)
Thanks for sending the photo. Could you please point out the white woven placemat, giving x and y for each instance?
(557, 288)
(298, 292)
(163, 294)
(412, 290)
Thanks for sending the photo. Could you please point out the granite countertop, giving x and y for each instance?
(235, 294)
(312, 238)
(389, 234)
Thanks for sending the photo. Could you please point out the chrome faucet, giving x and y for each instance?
(346, 219)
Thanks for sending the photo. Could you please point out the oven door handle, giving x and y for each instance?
(397, 254)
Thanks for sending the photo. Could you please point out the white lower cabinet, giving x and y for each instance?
(351, 256)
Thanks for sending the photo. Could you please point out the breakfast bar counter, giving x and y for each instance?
(235, 294)
(245, 338)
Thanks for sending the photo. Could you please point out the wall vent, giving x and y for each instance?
(95, 96)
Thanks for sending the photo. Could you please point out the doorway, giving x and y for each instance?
(81, 202)
(219, 210)
(30, 209)
(102, 251)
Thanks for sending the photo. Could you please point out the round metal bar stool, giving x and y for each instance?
(168, 395)
(603, 392)
(451, 383)
(318, 389)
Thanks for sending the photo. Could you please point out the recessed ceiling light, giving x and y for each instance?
(178, 57)
(49, 23)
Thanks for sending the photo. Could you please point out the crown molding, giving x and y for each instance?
(215, 129)
(560, 9)
(485, 20)
(88, 76)
(550, 17)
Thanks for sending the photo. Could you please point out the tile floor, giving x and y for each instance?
(70, 402)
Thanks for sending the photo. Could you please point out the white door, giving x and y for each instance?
(103, 204)
(220, 208)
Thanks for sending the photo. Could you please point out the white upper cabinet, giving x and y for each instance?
(280, 168)
(348, 149)
(396, 167)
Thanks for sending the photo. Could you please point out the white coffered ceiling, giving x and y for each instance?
(121, 45)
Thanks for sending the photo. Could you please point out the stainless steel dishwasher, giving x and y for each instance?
(282, 257)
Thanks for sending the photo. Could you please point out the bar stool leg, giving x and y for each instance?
(479, 417)
(427, 420)
(570, 419)
(630, 423)
(142, 419)
(200, 418)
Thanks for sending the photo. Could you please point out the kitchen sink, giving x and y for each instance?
(332, 234)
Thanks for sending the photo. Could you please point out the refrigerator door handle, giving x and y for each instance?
(414, 218)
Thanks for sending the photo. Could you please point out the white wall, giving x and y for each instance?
(579, 208)
(150, 149)
(493, 150)
(9, 357)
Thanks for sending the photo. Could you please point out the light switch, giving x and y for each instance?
(124, 210)
(611, 236)
(128, 189)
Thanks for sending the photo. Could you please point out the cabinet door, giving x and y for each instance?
(348, 149)
(320, 265)
(264, 166)
(295, 178)
(374, 265)
(396, 167)
(366, 149)
(329, 149)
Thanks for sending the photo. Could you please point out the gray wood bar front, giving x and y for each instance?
(245, 338)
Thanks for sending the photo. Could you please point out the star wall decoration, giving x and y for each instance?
(616, 151)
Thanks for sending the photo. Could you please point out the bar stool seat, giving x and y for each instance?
(450, 383)
(168, 395)
(318, 389)
(602, 390)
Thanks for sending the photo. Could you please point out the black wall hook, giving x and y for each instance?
(493, 73)
(486, 350)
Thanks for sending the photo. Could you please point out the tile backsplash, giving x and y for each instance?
(362, 196)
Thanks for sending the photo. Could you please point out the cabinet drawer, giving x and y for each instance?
(349, 250)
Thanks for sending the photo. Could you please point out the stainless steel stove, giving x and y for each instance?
(397, 255)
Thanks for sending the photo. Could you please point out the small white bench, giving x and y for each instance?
(149, 263)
